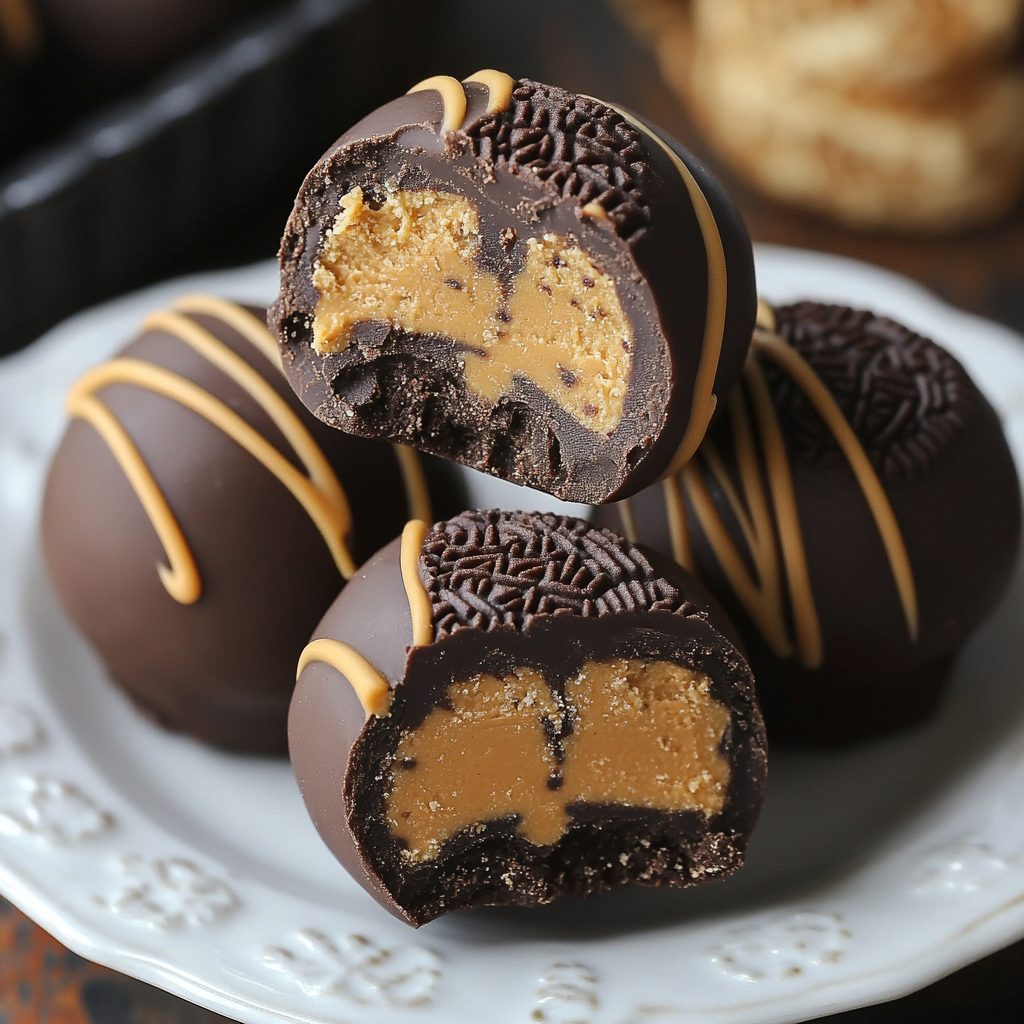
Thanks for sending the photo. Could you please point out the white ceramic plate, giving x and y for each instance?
(872, 872)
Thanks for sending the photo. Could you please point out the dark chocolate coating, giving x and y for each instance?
(531, 169)
(597, 598)
(940, 454)
(221, 669)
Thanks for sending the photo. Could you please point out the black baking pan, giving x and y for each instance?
(145, 186)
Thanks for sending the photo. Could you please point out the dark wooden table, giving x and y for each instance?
(578, 44)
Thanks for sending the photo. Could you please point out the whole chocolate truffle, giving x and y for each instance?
(532, 283)
(198, 521)
(509, 707)
(856, 510)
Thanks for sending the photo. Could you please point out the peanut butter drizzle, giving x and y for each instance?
(791, 540)
(453, 96)
(320, 493)
(181, 577)
(759, 519)
(417, 494)
(645, 734)
(258, 333)
(762, 598)
(499, 88)
(419, 600)
(254, 330)
(413, 262)
(370, 686)
(679, 534)
(704, 401)
(798, 368)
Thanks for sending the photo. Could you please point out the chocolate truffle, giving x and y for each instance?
(198, 521)
(529, 282)
(509, 707)
(857, 512)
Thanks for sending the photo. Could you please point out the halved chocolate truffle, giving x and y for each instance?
(198, 520)
(509, 707)
(530, 282)
(856, 510)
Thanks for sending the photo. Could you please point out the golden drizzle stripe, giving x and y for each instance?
(679, 534)
(809, 644)
(785, 356)
(181, 577)
(453, 97)
(259, 335)
(370, 686)
(330, 517)
(417, 494)
(704, 399)
(499, 88)
(320, 493)
(763, 597)
(419, 600)
(255, 331)
(703, 404)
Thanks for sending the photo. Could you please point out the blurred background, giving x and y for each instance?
(142, 139)
(145, 138)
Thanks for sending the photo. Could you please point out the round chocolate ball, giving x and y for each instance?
(508, 707)
(524, 280)
(855, 508)
(198, 521)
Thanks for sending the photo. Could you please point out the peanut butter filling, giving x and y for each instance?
(486, 758)
(643, 735)
(414, 262)
(646, 735)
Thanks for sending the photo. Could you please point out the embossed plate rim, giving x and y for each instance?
(119, 887)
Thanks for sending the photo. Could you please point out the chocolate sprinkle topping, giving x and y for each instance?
(579, 145)
(905, 398)
(489, 570)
